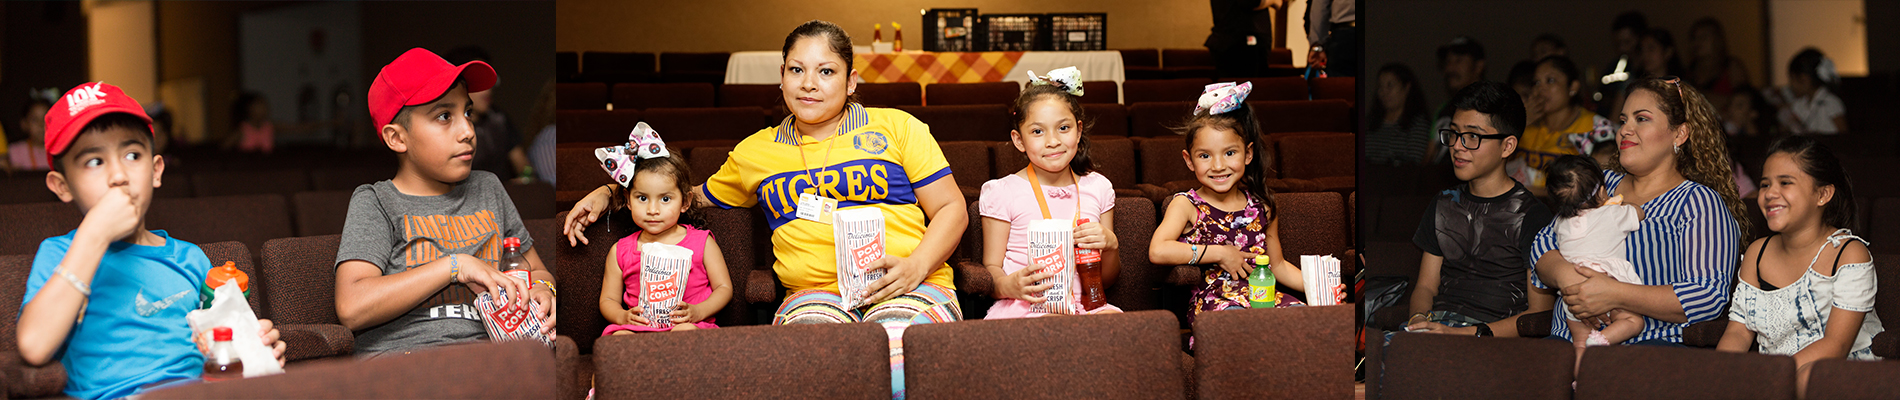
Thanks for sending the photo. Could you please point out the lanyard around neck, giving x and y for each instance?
(1044, 203)
(798, 141)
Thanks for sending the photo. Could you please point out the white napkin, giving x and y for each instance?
(229, 309)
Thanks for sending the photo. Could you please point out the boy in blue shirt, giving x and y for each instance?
(108, 300)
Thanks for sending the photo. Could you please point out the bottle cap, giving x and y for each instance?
(221, 334)
(1260, 259)
(511, 242)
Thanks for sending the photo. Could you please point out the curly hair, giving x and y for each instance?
(1704, 158)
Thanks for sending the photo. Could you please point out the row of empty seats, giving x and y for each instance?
(947, 123)
(610, 67)
(1123, 356)
(624, 96)
(250, 219)
(1427, 366)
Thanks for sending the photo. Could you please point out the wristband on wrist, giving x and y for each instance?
(455, 271)
(1483, 330)
(549, 285)
(83, 288)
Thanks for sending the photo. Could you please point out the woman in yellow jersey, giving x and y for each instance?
(832, 150)
(1556, 125)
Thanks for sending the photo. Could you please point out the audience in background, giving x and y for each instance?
(1399, 130)
(1557, 124)
(1808, 104)
(1547, 45)
(1627, 33)
(1462, 62)
(1659, 54)
(1711, 67)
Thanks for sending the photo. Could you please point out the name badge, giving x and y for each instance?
(815, 208)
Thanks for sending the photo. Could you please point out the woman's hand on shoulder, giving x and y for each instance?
(584, 213)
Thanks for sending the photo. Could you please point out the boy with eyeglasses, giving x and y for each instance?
(1476, 236)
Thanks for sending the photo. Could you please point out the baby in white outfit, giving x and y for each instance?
(1591, 231)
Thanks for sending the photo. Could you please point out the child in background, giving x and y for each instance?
(1808, 104)
(1231, 217)
(255, 132)
(30, 154)
(1059, 182)
(1591, 227)
(76, 309)
(657, 195)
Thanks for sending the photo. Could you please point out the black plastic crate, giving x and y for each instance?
(1078, 32)
(950, 29)
(1013, 32)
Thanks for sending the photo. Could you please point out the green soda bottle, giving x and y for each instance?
(1260, 286)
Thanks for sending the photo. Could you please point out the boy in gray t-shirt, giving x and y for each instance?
(409, 240)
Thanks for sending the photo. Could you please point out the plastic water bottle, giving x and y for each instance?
(1260, 285)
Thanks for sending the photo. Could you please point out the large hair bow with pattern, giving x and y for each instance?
(1224, 97)
(643, 143)
(1068, 79)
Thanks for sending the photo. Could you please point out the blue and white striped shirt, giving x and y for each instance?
(1688, 240)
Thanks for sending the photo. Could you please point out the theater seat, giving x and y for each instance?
(27, 188)
(1294, 353)
(1134, 355)
(704, 162)
(245, 182)
(706, 67)
(1627, 372)
(1151, 119)
(22, 381)
(1161, 160)
(1887, 305)
(662, 95)
(891, 94)
(1303, 116)
(970, 164)
(531, 374)
(580, 96)
(703, 124)
(578, 271)
(1163, 90)
(949, 94)
(1286, 88)
(576, 169)
(1100, 92)
(595, 126)
(251, 219)
(603, 66)
(1431, 366)
(1317, 156)
(29, 224)
(348, 178)
(321, 212)
(984, 122)
(833, 361)
(1337, 88)
(1110, 119)
(1837, 379)
(532, 200)
(299, 282)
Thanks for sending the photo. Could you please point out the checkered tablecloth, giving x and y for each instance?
(761, 67)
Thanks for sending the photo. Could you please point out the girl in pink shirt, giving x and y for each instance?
(1059, 183)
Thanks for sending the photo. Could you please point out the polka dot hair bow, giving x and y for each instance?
(643, 143)
(1224, 97)
(1068, 79)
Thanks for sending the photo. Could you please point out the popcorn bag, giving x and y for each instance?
(507, 322)
(1320, 274)
(663, 272)
(859, 233)
(1052, 250)
(229, 309)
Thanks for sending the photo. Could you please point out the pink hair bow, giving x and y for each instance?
(1224, 97)
(643, 143)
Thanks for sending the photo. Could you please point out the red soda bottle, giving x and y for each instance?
(1088, 269)
(223, 363)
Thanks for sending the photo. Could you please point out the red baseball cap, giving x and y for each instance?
(79, 107)
(419, 77)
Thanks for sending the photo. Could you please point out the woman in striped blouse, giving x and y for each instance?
(1673, 162)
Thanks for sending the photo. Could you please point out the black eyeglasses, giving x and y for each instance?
(1471, 140)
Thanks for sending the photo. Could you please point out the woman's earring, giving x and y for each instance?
(1678, 148)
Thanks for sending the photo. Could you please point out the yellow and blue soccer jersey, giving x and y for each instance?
(881, 157)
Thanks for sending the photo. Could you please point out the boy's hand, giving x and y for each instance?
(633, 317)
(267, 332)
(1021, 285)
(481, 276)
(546, 297)
(687, 313)
(1090, 236)
(115, 217)
(1231, 259)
